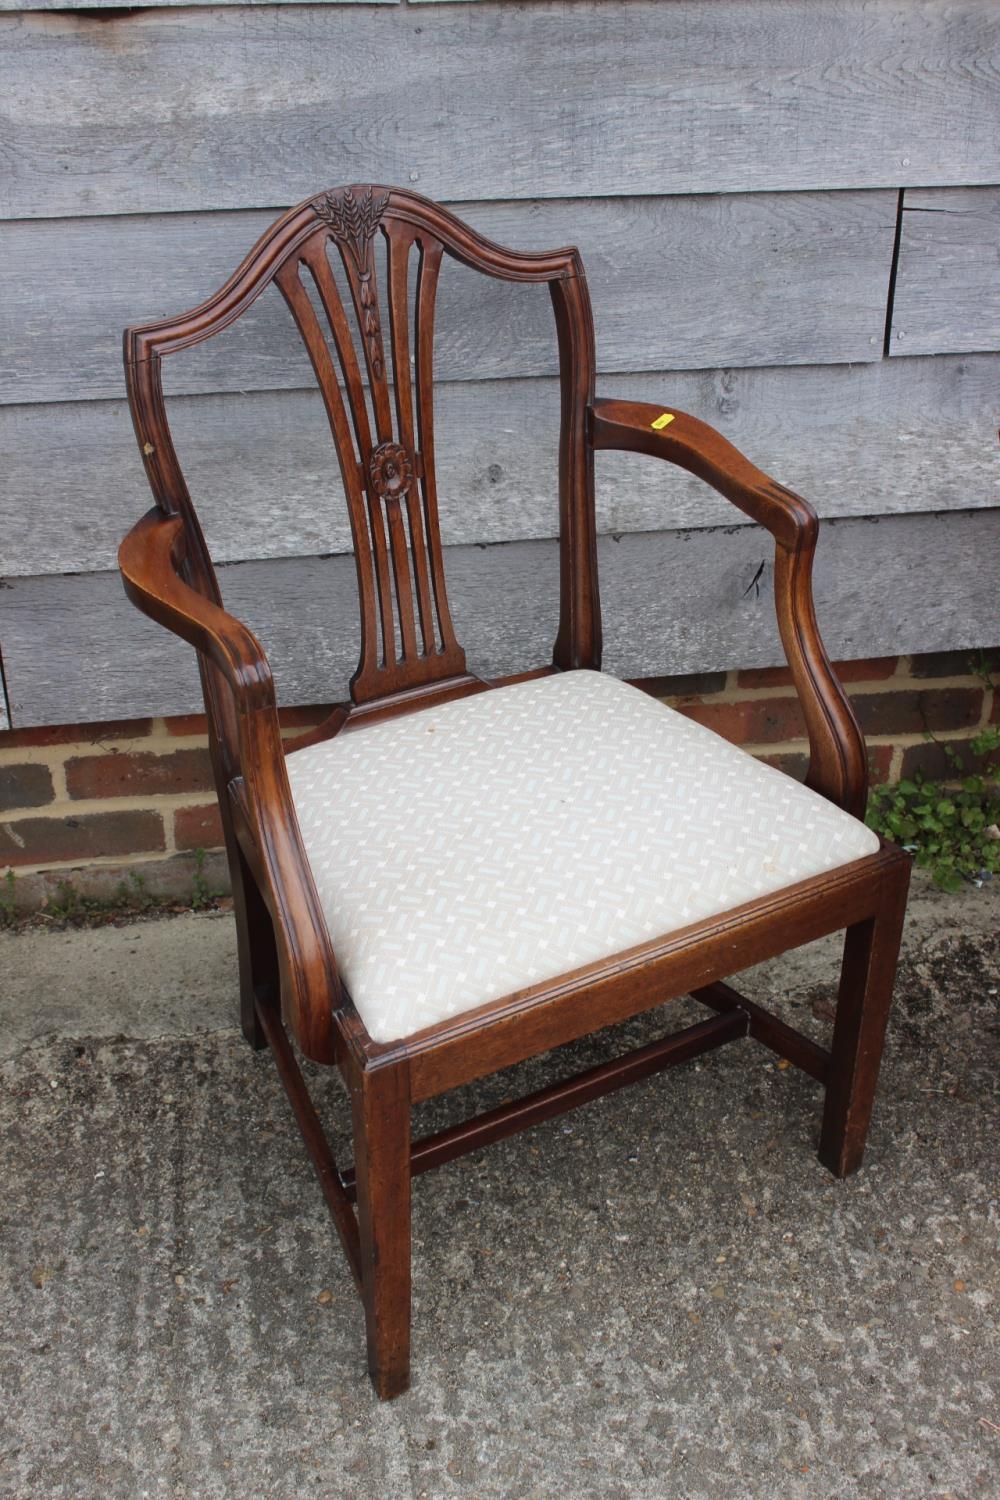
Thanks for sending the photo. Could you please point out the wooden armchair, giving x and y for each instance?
(450, 875)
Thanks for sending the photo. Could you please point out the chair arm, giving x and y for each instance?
(149, 559)
(693, 445)
(838, 761)
(310, 990)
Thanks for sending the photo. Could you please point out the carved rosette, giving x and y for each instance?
(354, 222)
(390, 471)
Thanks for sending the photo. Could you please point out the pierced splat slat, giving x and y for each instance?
(317, 260)
(399, 543)
(354, 222)
(400, 455)
(387, 657)
(400, 239)
(366, 540)
(428, 270)
(315, 257)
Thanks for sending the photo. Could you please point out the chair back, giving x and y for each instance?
(327, 257)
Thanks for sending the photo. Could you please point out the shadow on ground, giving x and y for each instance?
(661, 1295)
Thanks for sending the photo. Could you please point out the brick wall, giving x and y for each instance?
(121, 810)
(131, 802)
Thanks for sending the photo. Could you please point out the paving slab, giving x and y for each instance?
(663, 1294)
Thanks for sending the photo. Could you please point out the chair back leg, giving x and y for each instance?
(867, 976)
(260, 979)
(380, 1103)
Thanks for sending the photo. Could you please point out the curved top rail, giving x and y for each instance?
(283, 238)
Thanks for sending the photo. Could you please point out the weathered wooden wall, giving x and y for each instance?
(771, 199)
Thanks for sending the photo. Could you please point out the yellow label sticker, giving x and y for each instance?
(663, 420)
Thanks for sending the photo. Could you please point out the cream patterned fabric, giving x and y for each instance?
(467, 851)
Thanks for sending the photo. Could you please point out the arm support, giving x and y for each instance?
(149, 558)
(837, 764)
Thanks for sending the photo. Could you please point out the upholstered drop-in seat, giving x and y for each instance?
(468, 851)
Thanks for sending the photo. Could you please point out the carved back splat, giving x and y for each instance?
(385, 437)
(388, 475)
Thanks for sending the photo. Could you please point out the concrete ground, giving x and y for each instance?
(661, 1295)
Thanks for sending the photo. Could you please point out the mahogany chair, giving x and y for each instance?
(450, 875)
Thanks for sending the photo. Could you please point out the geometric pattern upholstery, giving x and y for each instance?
(467, 851)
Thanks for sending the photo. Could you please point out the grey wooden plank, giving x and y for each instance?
(114, 5)
(673, 602)
(854, 439)
(947, 285)
(784, 278)
(235, 107)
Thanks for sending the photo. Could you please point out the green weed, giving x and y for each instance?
(952, 827)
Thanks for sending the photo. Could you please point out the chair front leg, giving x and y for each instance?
(380, 1100)
(867, 977)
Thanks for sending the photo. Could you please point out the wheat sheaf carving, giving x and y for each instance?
(354, 222)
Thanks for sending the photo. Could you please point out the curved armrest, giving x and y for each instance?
(149, 558)
(838, 762)
(693, 445)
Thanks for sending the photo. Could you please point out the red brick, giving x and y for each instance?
(39, 841)
(76, 734)
(142, 774)
(913, 710)
(198, 827)
(879, 763)
(869, 669)
(24, 786)
(689, 685)
(794, 763)
(952, 663)
(289, 718)
(764, 677)
(755, 721)
(872, 669)
(187, 724)
(304, 717)
(931, 761)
